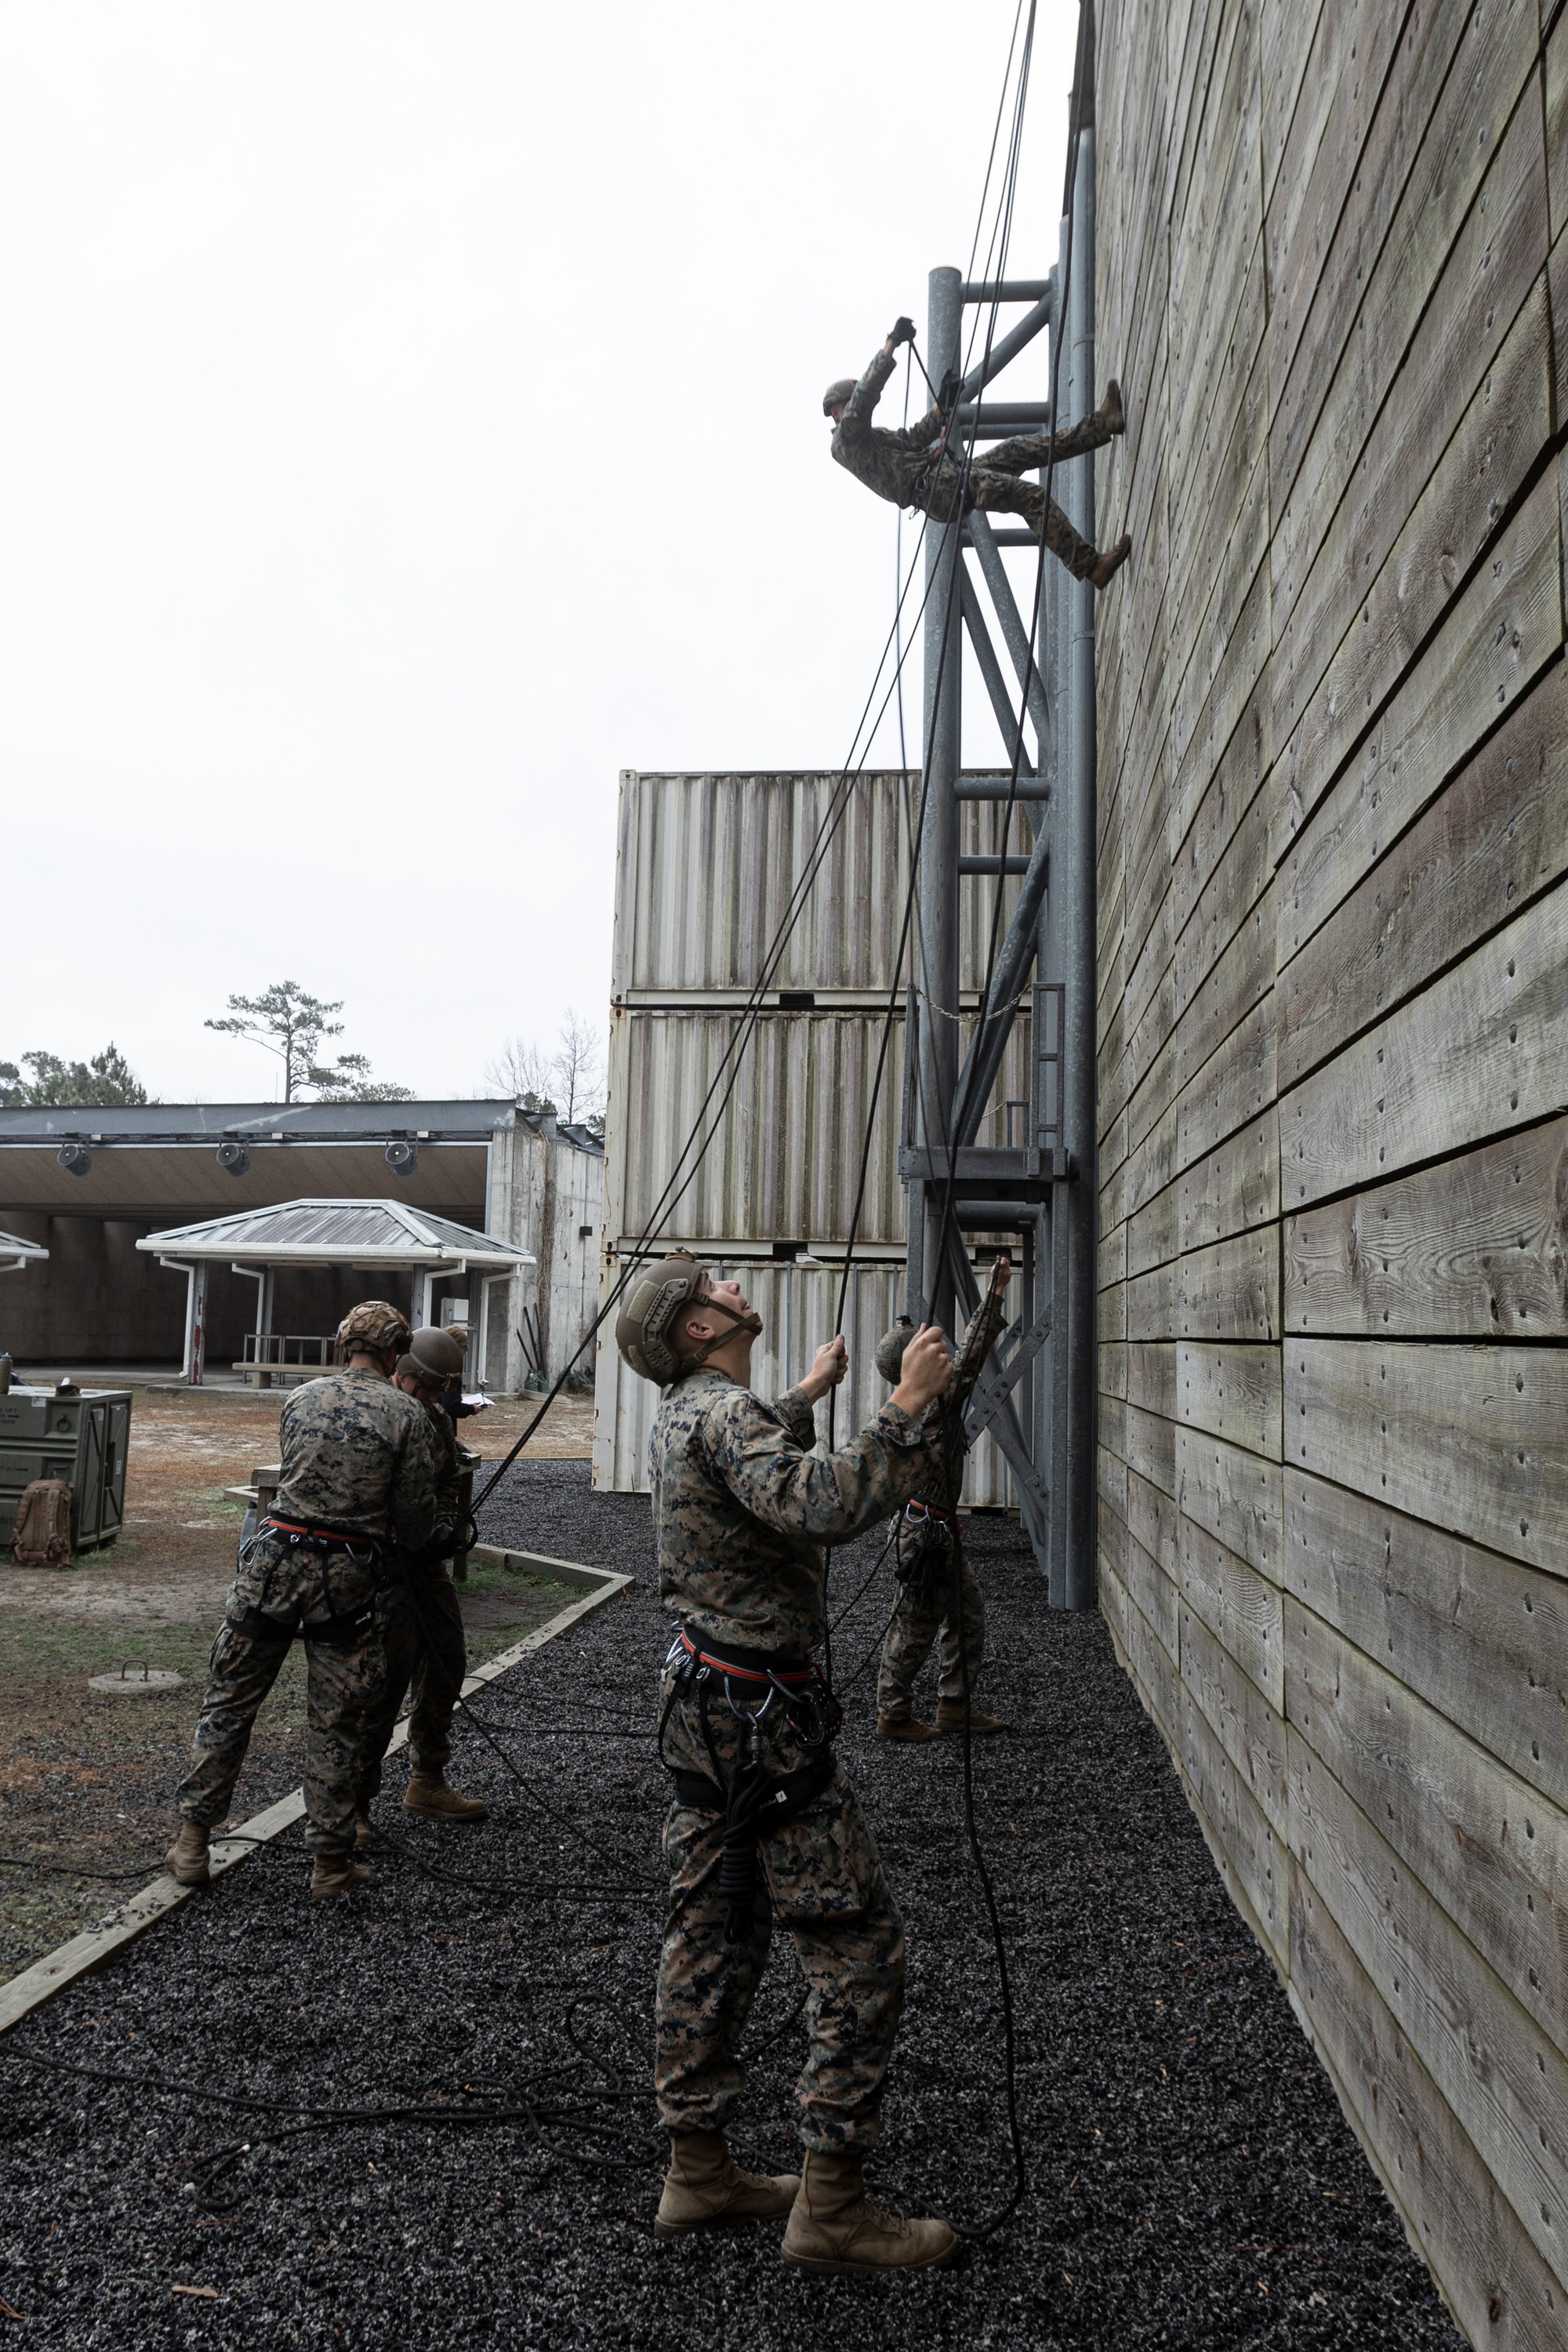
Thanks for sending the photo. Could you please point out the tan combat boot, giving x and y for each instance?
(1110, 563)
(903, 1727)
(364, 1828)
(705, 2190)
(950, 1718)
(336, 1873)
(186, 1860)
(430, 1792)
(834, 2226)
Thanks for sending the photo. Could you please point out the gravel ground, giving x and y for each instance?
(1191, 2182)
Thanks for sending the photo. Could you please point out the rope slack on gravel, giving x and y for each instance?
(422, 2116)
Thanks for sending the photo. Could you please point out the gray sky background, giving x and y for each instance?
(410, 417)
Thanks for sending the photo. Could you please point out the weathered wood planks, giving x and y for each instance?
(1473, 1439)
(1473, 1248)
(1332, 1030)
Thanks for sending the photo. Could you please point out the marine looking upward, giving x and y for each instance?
(763, 1822)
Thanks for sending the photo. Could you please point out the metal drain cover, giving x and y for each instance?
(135, 1681)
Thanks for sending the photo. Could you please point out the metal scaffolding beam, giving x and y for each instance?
(1036, 1398)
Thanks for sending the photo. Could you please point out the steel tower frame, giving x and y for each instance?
(1038, 1396)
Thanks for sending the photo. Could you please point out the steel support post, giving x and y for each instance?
(943, 740)
(196, 1324)
(1079, 912)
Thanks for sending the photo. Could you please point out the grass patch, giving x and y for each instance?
(88, 1777)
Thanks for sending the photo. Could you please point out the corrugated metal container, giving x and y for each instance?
(82, 1438)
(784, 1160)
(709, 863)
(796, 1304)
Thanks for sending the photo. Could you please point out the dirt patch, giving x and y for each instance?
(86, 1777)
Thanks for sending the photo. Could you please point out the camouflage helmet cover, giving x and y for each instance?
(837, 395)
(433, 1357)
(373, 1325)
(643, 1333)
(890, 1350)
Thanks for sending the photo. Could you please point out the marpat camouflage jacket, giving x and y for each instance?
(359, 1457)
(887, 461)
(448, 1469)
(741, 1505)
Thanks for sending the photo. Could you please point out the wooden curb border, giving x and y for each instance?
(96, 1948)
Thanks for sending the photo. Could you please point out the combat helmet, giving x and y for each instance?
(433, 1357)
(837, 395)
(375, 1326)
(890, 1350)
(648, 1328)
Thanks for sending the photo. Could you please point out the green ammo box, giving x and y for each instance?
(82, 1439)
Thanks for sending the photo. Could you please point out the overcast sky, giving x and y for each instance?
(409, 418)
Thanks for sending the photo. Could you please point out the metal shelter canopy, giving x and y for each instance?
(378, 1235)
(1038, 1396)
(15, 1252)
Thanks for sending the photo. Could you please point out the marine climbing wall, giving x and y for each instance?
(1334, 1059)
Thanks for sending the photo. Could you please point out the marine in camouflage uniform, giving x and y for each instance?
(421, 1623)
(938, 1589)
(764, 1820)
(358, 1463)
(741, 1509)
(910, 466)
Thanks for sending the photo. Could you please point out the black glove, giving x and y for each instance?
(903, 332)
(442, 1543)
(952, 385)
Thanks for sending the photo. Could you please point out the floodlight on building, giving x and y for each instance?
(75, 1158)
(402, 1157)
(234, 1158)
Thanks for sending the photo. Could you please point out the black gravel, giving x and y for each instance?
(1192, 2182)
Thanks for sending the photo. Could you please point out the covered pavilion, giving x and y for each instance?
(377, 1237)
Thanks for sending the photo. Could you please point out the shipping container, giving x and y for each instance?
(713, 868)
(787, 1137)
(797, 1305)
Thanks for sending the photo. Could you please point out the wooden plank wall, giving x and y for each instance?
(1333, 276)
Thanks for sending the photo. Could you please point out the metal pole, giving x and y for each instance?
(939, 828)
(197, 1345)
(1079, 1074)
(1054, 1427)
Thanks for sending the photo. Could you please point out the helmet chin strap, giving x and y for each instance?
(750, 1321)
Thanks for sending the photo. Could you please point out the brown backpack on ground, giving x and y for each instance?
(43, 1536)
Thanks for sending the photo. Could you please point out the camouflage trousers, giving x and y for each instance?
(422, 1632)
(995, 488)
(820, 1877)
(951, 1600)
(344, 1684)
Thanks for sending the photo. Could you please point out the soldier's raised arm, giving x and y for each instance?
(982, 1330)
(830, 1499)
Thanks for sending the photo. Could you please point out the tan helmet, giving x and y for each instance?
(433, 1357)
(374, 1326)
(837, 395)
(648, 1328)
(890, 1350)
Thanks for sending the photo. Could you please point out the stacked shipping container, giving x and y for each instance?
(802, 880)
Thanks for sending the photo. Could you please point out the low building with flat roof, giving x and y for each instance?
(88, 1185)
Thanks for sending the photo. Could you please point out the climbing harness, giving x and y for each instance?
(338, 1628)
(923, 1547)
(754, 1801)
